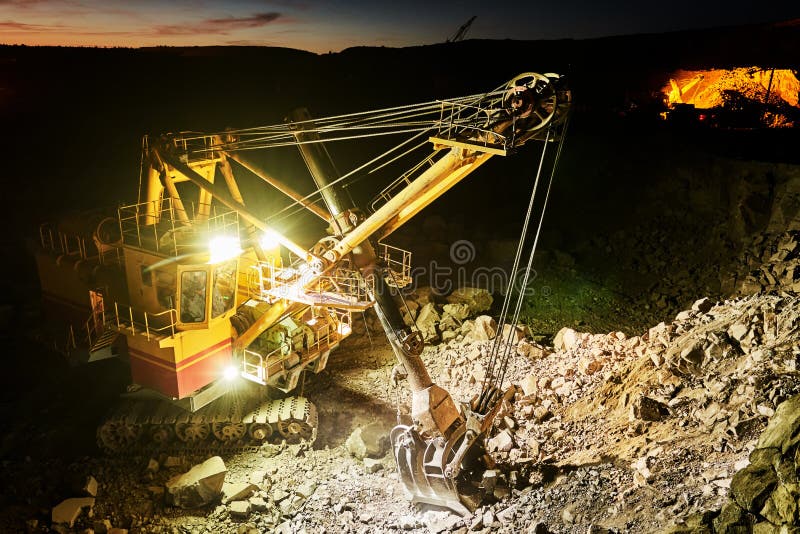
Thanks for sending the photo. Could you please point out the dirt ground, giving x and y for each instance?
(585, 457)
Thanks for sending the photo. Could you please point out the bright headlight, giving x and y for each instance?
(268, 240)
(230, 372)
(223, 248)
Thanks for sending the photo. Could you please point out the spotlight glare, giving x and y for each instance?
(268, 241)
(230, 372)
(223, 248)
(344, 329)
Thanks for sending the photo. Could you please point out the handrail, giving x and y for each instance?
(104, 252)
(173, 320)
(206, 145)
(465, 123)
(89, 340)
(335, 328)
(44, 243)
(64, 241)
(182, 235)
(400, 268)
(68, 244)
(71, 339)
(399, 182)
(259, 367)
(344, 282)
(88, 326)
(145, 327)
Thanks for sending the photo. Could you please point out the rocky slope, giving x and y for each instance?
(606, 433)
(654, 430)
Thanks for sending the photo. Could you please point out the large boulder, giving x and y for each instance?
(240, 509)
(478, 300)
(427, 319)
(531, 350)
(783, 430)
(513, 333)
(448, 322)
(201, 485)
(237, 491)
(90, 486)
(483, 329)
(752, 485)
(502, 442)
(566, 339)
(529, 385)
(780, 507)
(459, 310)
(371, 441)
(732, 518)
(68, 510)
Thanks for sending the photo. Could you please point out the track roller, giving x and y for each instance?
(191, 432)
(229, 431)
(259, 431)
(157, 426)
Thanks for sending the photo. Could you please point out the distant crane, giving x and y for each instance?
(462, 31)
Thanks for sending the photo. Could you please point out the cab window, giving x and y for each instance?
(193, 296)
(223, 292)
(165, 288)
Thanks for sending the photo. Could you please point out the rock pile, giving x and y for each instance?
(445, 319)
(605, 433)
(200, 486)
(684, 401)
(770, 263)
(765, 493)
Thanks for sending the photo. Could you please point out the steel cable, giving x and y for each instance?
(521, 296)
(489, 378)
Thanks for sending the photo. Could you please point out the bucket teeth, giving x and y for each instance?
(423, 468)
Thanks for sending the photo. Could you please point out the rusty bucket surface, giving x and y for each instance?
(440, 472)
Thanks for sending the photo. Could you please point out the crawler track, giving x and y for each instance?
(229, 426)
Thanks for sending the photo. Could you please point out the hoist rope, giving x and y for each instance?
(523, 286)
(441, 117)
(495, 350)
(504, 341)
(442, 114)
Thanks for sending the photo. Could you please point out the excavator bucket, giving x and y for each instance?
(449, 471)
(440, 472)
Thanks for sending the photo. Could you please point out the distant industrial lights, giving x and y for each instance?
(223, 248)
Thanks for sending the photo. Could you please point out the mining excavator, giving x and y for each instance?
(202, 295)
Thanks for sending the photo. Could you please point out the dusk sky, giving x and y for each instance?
(332, 25)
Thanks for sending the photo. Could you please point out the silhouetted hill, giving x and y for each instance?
(175, 83)
(73, 118)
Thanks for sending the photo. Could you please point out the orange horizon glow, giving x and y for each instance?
(322, 26)
(52, 38)
(148, 23)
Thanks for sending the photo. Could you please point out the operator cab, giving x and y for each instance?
(206, 291)
(181, 274)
